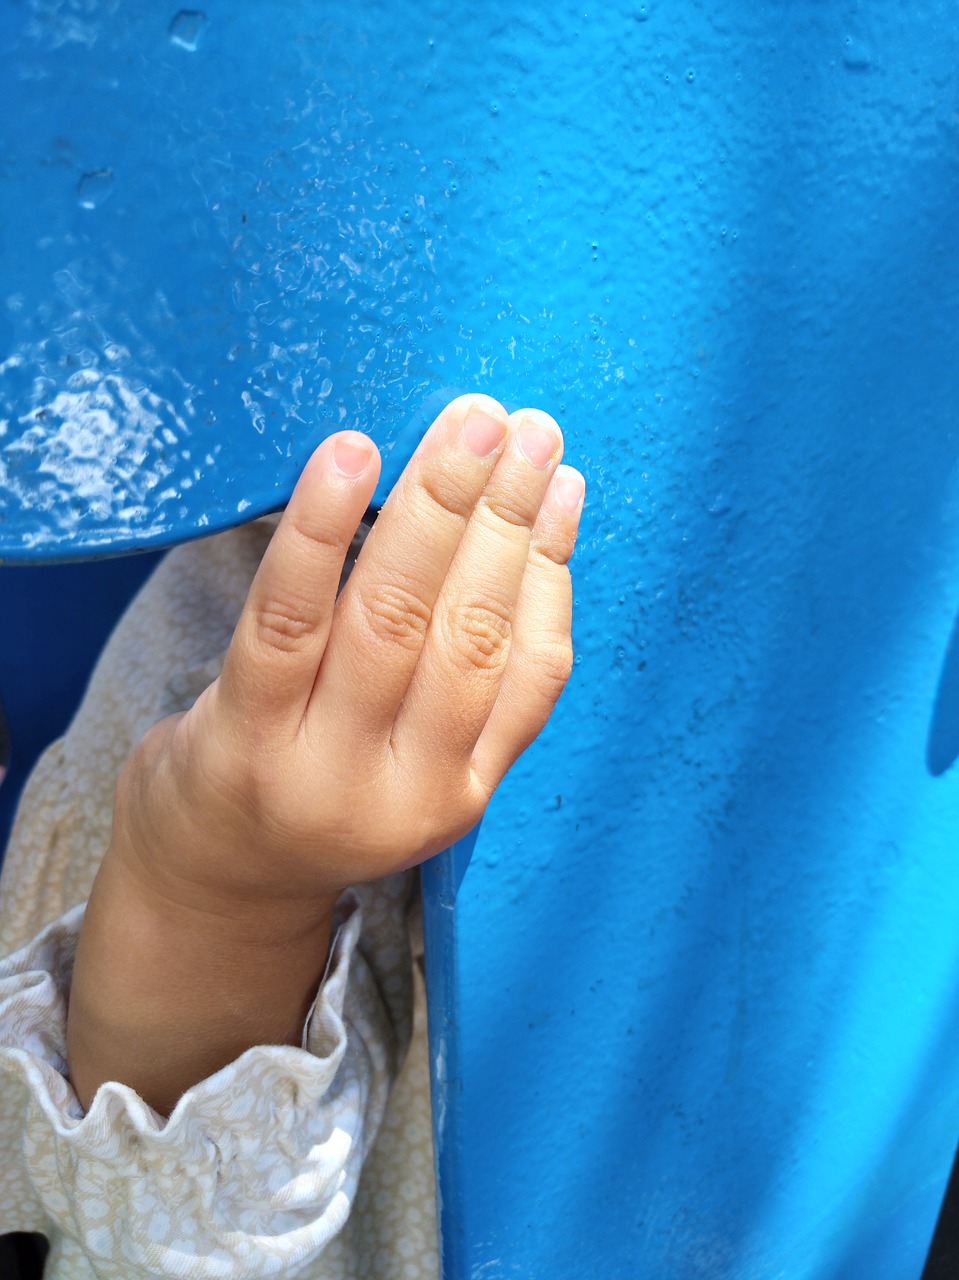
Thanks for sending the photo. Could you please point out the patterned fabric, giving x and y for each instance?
(269, 1167)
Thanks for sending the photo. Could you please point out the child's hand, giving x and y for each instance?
(344, 743)
(338, 745)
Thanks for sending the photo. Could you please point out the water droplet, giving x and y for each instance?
(642, 13)
(690, 76)
(94, 188)
(187, 28)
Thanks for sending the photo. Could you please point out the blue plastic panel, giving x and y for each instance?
(701, 999)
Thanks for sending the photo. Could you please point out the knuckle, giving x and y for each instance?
(233, 782)
(272, 805)
(441, 490)
(508, 508)
(249, 781)
(549, 555)
(480, 633)
(554, 664)
(317, 539)
(396, 612)
(283, 625)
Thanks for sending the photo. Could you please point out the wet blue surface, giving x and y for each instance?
(220, 243)
(702, 987)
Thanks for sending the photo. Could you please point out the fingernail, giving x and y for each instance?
(351, 455)
(482, 433)
(570, 489)
(539, 441)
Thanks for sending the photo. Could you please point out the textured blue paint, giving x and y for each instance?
(706, 955)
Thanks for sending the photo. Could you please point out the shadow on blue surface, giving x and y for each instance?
(56, 619)
(942, 746)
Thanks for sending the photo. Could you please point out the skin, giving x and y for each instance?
(344, 740)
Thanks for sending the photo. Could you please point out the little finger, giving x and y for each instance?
(541, 653)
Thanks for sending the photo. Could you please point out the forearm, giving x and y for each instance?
(164, 994)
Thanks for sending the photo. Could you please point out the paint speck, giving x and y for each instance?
(721, 504)
(94, 188)
(326, 386)
(187, 29)
(856, 56)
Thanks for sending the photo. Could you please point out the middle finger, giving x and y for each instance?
(385, 608)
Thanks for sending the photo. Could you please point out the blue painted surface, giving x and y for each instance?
(441, 878)
(56, 619)
(705, 967)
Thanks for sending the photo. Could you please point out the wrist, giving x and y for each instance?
(164, 993)
(177, 901)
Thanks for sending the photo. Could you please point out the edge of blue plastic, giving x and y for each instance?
(441, 878)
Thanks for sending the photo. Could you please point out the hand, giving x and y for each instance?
(345, 740)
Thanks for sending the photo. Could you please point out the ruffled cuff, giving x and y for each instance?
(256, 1167)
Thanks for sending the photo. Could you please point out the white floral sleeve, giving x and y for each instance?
(255, 1170)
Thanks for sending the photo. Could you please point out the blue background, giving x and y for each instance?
(702, 994)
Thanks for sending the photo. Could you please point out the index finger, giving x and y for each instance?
(280, 639)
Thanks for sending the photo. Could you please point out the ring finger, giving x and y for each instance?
(455, 684)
